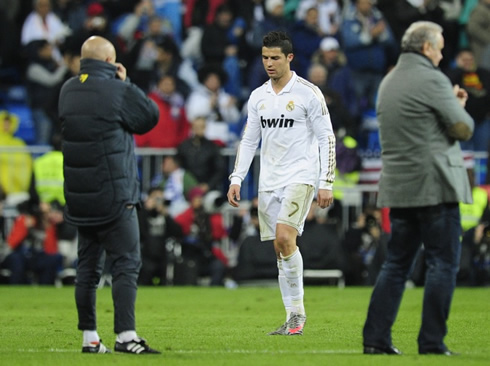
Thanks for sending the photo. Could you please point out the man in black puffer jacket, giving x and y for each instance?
(99, 111)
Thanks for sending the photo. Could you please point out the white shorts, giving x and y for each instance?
(288, 205)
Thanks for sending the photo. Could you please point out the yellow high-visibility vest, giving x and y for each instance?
(48, 172)
(472, 213)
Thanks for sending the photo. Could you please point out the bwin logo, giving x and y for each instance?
(276, 122)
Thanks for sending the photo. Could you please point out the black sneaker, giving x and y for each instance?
(95, 347)
(137, 346)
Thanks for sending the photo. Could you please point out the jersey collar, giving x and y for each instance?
(287, 88)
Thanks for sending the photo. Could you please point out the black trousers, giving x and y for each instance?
(120, 241)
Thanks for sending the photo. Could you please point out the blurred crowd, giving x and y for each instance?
(199, 60)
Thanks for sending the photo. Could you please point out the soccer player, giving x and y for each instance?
(297, 157)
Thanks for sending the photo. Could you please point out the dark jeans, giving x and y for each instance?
(438, 228)
(120, 241)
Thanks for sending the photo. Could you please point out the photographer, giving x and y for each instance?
(475, 256)
(365, 248)
(204, 231)
(33, 244)
(156, 227)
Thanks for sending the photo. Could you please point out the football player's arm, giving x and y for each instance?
(322, 127)
(245, 154)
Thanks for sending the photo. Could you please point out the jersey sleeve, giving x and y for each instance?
(323, 130)
(248, 145)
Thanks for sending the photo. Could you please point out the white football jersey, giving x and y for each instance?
(298, 143)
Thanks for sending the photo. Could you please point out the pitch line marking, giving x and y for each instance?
(192, 351)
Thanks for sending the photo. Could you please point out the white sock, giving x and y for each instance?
(283, 286)
(126, 336)
(90, 336)
(293, 271)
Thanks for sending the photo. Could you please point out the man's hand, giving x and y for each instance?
(234, 195)
(121, 71)
(324, 198)
(461, 94)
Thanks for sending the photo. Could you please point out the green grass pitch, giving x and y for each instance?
(218, 326)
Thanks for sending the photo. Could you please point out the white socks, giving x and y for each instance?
(126, 336)
(292, 283)
(283, 286)
(90, 337)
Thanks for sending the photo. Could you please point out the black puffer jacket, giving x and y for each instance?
(99, 113)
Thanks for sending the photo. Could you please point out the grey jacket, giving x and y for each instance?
(420, 123)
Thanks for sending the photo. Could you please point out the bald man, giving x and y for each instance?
(100, 110)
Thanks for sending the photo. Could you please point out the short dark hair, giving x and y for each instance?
(212, 68)
(280, 40)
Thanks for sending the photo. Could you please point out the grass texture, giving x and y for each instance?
(218, 326)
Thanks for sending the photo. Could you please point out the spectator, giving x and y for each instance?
(473, 213)
(249, 13)
(42, 23)
(33, 241)
(487, 179)
(339, 77)
(306, 36)
(347, 175)
(450, 11)
(2, 224)
(71, 59)
(209, 100)
(142, 52)
(202, 158)
(48, 174)
(468, 6)
(476, 81)
(320, 243)
(342, 121)
(329, 16)
(172, 127)
(9, 56)
(171, 11)
(98, 23)
(203, 234)
(226, 35)
(154, 54)
(201, 12)
(368, 44)
(274, 19)
(244, 222)
(44, 75)
(15, 167)
(169, 61)
(401, 13)
(475, 256)
(139, 21)
(156, 227)
(70, 12)
(256, 259)
(176, 183)
(478, 29)
(365, 248)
